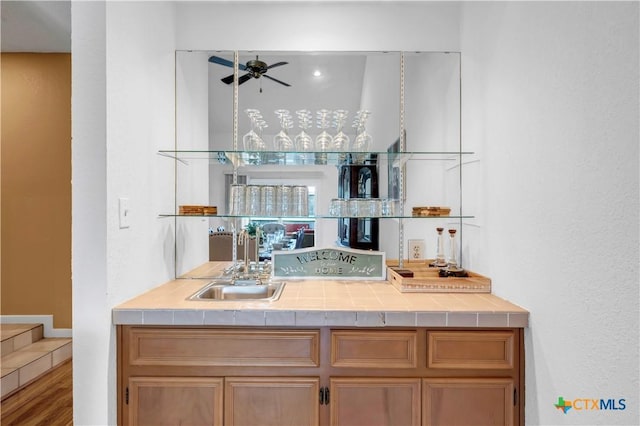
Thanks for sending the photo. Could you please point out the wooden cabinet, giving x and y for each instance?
(158, 401)
(374, 401)
(272, 401)
(324, 376)
(149, 346)
(182, 375)
(469, 401)
(379, 349)
(490, 350)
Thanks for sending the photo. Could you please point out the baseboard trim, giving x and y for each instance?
(45, 320)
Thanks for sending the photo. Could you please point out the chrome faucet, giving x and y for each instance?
(244, 240)
(258, 237)
(247, 277)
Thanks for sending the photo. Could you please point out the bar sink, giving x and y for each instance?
(227, 290)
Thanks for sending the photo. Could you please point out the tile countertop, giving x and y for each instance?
(318, 303)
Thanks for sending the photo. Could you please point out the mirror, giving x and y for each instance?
(293, 81)
(432, 124)
(312, 81)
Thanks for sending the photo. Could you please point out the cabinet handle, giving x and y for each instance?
(324, 396)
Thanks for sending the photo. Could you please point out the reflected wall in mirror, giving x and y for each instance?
(339, 83)
(432, 124)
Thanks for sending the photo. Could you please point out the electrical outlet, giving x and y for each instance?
(416, 250)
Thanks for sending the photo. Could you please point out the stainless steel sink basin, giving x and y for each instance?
(227, 290)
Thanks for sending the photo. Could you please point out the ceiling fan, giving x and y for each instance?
(255, 68)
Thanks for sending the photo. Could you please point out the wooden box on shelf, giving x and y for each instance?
(422, 278)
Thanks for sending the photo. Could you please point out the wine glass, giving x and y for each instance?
(340, 140)
(252, 139)
(324, 141)
(282, 142)
(261, 143)
(362, 142)
(303, 141)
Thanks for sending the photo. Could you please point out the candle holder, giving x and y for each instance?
(452, 269)
(452, 264)
(440, 261)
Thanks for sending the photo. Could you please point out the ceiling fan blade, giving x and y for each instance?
(229, 79)
(221, 61)
(277, 64)
(276, 80)
(225, 62)
(244, 78)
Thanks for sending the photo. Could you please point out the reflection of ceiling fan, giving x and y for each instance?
(255, 68)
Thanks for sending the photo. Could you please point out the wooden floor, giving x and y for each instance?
(47, 401)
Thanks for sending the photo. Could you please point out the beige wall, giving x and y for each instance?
(36, 185)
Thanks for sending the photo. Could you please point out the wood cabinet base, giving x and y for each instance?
(319, 376)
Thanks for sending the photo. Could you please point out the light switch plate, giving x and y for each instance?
(124, 212)
(416, 251)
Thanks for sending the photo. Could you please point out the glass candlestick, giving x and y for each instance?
(440, 259)
(453, 262)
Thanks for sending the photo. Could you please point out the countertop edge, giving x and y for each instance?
(318, 318)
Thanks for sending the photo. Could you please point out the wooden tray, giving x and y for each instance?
(196, 210)
(426, 280)
(431, 211)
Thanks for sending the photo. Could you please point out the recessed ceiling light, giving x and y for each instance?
(317, 73)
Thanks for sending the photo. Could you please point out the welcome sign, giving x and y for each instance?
(332, 262)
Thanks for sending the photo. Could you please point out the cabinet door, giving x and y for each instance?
(374, 401)
(271, 401)
(468, 402)
(157, 401)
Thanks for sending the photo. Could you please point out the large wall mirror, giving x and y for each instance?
(270, 82)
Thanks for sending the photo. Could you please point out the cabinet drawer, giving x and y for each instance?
(206, 347)
(471, 349)
(373, 349)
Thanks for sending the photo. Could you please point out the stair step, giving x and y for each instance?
(24, 362)
(17, 336)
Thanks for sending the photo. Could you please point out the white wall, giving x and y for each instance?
(550, 97)
(123, 112)
(292, 25)
(192, 183)
(549, 103)
(91, 310)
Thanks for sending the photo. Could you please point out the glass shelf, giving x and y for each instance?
(261, 158)
(310, 218)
